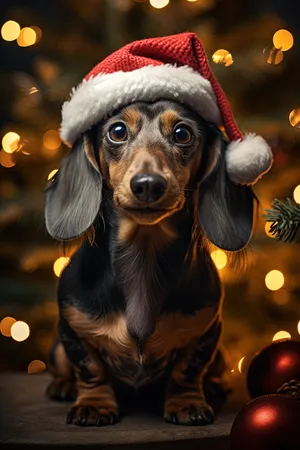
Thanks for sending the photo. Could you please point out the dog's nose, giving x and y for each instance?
(148, 187)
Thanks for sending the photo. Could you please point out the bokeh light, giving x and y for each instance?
(51, 140)
(296, 194)
(274, 280)
(38, 33)
(219, 258)
(159, 4)
(20, 331)
(222, 56)
(10, 30)
(240, 364)
(52, 173)
(6, 159)
(283, 40)
(27, 37)
(36, 366)
(281, 335)
(60, 264)
(298, 327)
(5, 326)
(10, 142)
(294, 118)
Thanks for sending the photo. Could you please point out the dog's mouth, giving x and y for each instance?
(151, 214)
(147, 210)
(148, 215)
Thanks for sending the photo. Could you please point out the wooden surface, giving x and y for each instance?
(28, 417)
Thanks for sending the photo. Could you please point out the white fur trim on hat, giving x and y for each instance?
(248, 160)
(96, 98)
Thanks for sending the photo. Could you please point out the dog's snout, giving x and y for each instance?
(148, 187)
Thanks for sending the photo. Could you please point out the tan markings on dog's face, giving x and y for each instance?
(150, 148)
(117, 172)
(132, 117)
(168, 120)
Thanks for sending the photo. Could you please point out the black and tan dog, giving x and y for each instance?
(141, 304)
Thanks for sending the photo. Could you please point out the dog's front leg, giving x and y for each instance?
(96, 403)
(185, 401)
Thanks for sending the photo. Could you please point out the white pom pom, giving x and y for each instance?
(248, 160)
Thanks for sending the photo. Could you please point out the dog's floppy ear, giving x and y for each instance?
(225, 209)
(73, 197)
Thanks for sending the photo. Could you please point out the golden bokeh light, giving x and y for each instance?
(10, 142)
(52, 173)
(298, 327)
(5, 326)
(240, 364)
(219, 258)
(10, 30)
(36, 366)
(267, 230)
(6, 159)
(281, 335)
(274, 280)
(60, 264)
(51, 140)
(283, 40)
(191, 1)
(222, 56)
(27, 37)
(38, 33)
(294, 118)
(20, 331)
(159, 4)
(296, 194)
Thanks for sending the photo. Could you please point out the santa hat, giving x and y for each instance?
(172, 68)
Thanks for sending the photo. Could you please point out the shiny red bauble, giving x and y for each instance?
(273, 366)
(270, 422)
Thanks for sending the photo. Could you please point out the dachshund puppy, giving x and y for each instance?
(142, 304)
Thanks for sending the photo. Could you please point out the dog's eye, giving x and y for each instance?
(182, 135)
(118, 133)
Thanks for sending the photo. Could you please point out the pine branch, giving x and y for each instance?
(285, 218)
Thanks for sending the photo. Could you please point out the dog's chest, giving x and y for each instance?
(140, 364)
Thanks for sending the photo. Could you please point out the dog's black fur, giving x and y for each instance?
(134, 311)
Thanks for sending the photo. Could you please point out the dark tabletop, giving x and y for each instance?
(28, 417)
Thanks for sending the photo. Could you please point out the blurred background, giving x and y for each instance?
(46, 49)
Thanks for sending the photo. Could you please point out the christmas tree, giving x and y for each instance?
(285, 218)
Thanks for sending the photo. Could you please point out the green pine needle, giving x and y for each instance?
(285, 218)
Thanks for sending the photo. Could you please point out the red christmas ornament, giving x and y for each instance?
(275, 365)
(270, 422)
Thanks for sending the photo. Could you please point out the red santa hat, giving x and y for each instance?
(172, 68)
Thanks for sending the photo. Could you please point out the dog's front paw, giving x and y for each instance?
(198, 413)
(61, 390)
(93, 416)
